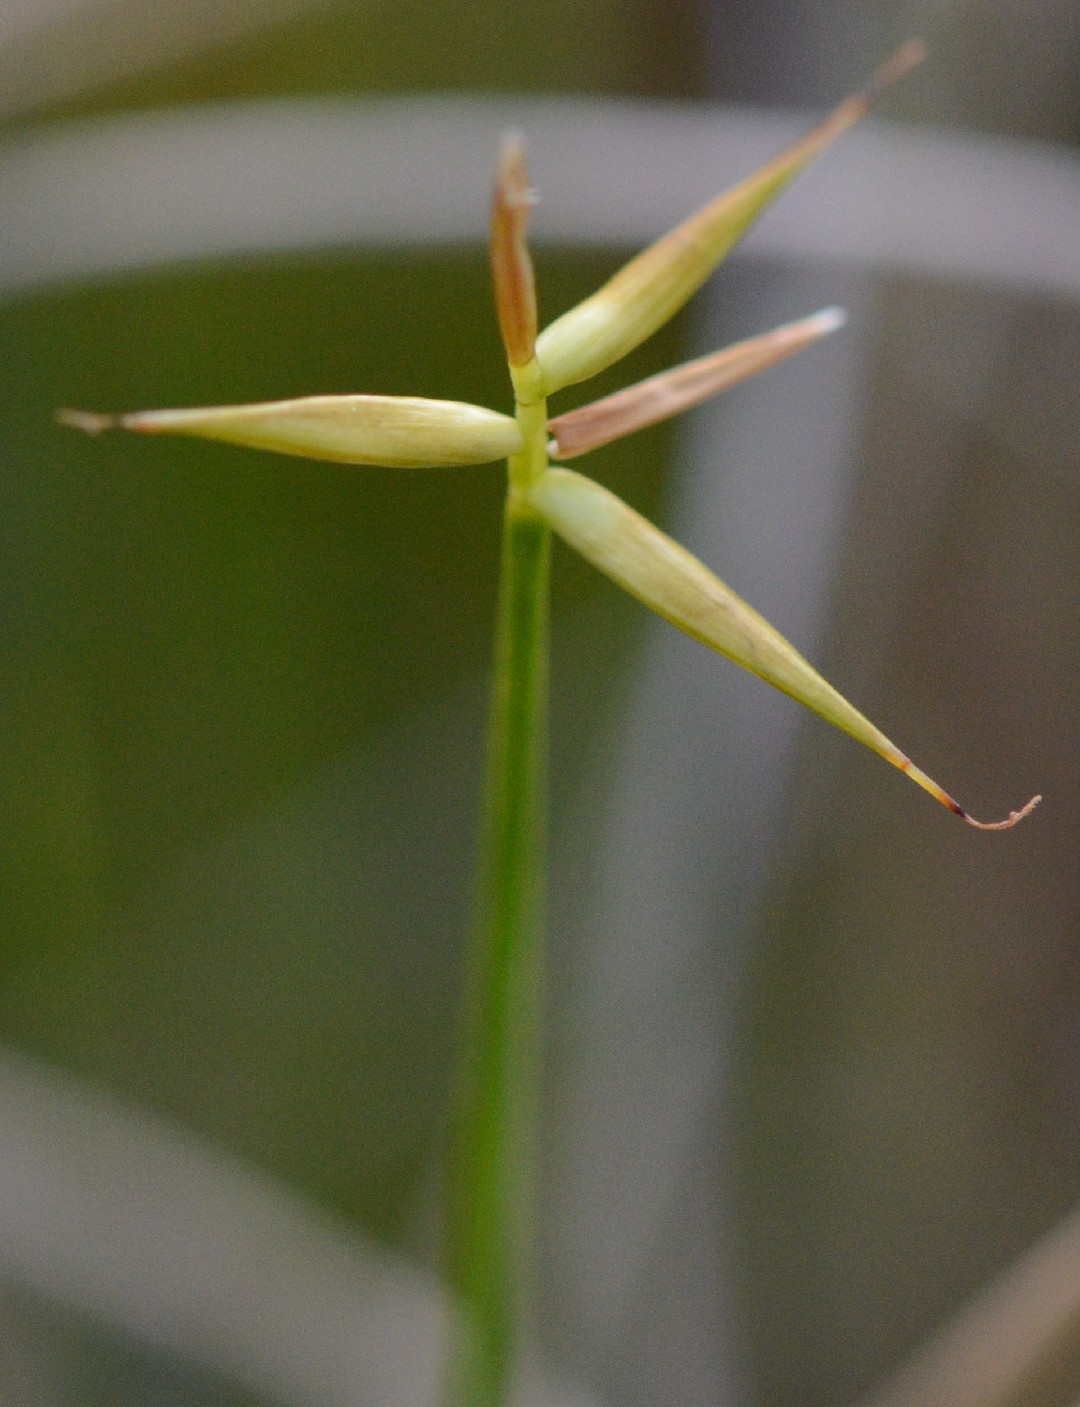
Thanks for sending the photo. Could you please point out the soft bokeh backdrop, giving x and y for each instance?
(815, 1046)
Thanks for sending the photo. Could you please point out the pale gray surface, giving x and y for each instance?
(113, 1212)
(765, 505)
(700, 779)
(128, 192)
(52, 50)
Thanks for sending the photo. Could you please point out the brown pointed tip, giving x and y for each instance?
(928, 784)
(86, 420)
(515, 292)
(1010, 820)
(897, 66)
(512, 174)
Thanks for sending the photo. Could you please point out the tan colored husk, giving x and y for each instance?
(398, 431)
(511, 264)
(672, 582)
(683, 387)
(652, 287)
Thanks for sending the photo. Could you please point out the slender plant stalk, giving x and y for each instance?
(489, 1206)
(492, 1154)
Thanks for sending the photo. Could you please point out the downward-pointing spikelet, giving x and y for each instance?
(669, 580)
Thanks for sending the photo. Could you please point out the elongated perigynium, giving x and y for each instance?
(408, 432)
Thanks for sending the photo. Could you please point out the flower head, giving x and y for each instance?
(407, 432)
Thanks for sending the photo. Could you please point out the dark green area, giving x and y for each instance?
(606, 46)
(61, 1357)
(242, 705)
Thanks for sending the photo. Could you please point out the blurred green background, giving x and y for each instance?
(243, 698)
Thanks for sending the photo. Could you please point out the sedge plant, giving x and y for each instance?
(490, 1162)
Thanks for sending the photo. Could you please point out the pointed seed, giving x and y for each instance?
(652, 287)
(398, 431)
(511, 264)
(672, 392)
(670, 581)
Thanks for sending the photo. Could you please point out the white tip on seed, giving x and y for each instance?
(828, 320)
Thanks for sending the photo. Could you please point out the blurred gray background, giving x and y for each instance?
(814, 1046)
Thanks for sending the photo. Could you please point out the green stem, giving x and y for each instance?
(492, 1156)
